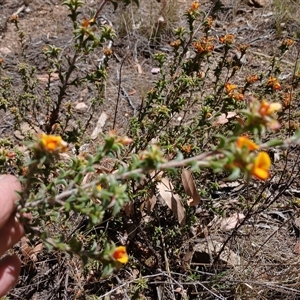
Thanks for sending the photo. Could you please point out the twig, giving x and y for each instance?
(66, 284)
(200, 160)
(190, 283)
(125, 292)
(129, 100)
(128, 282)
(100, 8)
(169, 277)
(119, 76)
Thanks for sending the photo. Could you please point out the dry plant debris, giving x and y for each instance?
(189, 233)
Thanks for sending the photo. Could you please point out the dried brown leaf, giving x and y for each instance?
(139, 68)
(190, 187)
(35, 251)
(99, 126)
(231, 222)
(297, 248)
(173, 201)
(150, 203)
(128, 208)
(30, 253)
(223, 118)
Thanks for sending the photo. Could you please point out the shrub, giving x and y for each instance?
(198, 118)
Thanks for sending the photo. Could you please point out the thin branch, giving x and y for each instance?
(201, 160)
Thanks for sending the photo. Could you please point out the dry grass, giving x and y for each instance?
(287, 17)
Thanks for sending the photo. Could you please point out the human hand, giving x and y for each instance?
(11, 231)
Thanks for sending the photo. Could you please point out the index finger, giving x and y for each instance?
(9, 185)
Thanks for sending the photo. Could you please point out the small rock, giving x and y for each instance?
(81, 107)
(5, 51)
(155, 71)
(19, 135)
(204, 252)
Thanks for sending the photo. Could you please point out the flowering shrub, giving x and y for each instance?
(228, 133)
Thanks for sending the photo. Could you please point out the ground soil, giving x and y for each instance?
(269, 241)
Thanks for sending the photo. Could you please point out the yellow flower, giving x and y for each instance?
(267, 108)
(53, 143)
(261, 166)
(243, 141)
(120, 255)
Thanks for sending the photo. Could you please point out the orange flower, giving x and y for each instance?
(85, 23)
(120, 255)
(175, 44)
(195, 6)
(227, 39)
(187, 148)
(232, 92)
(243, 141)
(107, 51)
(230, 87)
(238, 96)
(204, 45)
(261, 166)
(243, 47)
(287, 42)
(273, 83)
(209, 22)
(53, 143)
(251, 79)
(267, 108)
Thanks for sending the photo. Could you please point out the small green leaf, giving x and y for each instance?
(234, 175)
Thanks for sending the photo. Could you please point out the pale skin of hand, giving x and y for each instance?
(11, 232)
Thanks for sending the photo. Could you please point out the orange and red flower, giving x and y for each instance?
(267, 108)
(120, 255)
